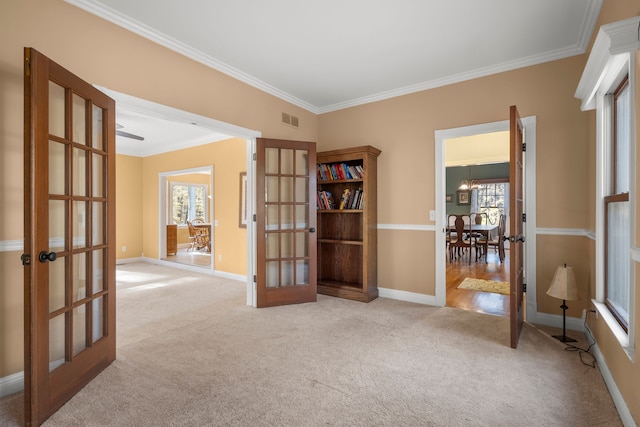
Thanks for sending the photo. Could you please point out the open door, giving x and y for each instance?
(516, 199)
(285, 222)
(69, 226)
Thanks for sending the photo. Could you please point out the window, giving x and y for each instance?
(491, 198)
(617, 210)
(188, 202)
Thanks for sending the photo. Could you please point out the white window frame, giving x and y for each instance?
(188, 184)
(612, 58)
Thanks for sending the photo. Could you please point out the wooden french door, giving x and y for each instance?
(285, 222)
(69, 226)
(516, 210)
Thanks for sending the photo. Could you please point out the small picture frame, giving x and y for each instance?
(463, 197)
(242, 223)
(449, 198)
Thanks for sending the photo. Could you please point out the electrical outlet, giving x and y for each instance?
(219, 257)
(215, 223)
(124, 249)
(432, 215)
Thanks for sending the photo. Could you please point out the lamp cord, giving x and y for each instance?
(583, 351)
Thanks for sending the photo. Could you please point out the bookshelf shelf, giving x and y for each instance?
(347, 237)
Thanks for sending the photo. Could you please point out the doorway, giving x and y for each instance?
(477, 187)
(442, 260)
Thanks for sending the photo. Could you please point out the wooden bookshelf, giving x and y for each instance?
(347, 224)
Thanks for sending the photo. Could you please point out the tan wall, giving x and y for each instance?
(107, 55)
(128, 206)
(403, 128)
(228, 159)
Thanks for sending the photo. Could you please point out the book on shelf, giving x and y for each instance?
(324, 200)
(339, 172)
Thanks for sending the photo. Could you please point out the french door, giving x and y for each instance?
(69, 226)
(516, 248)
(285, 222)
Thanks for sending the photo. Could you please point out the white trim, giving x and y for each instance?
(614, 391)
(555, 320)
(11, 245)
(186, 267)
(578, 232)
(11, 384)
(530, 189)
(130, 260)
(635, 254)
(407, 296)
(409, 227)
(621, 336)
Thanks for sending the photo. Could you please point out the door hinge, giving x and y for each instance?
(524, 217)
(27, 65)
(524, 146)
(524, 287)
(255, 279)
(255, 156)
(26, 259)
(255, 218)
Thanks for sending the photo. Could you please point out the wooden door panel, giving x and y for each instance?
(516, 268)
(285, 222)
(69, 234)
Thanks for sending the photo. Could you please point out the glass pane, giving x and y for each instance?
(271, 161)
(79, 279)
(57, 167)
(57, 225)
(286, 245)
(98, 142)
(98, 226)
(302, 245)
(302, 272)
(286, 161)
(618, 257)
(302, 162)
(271, 190)
(79, 183)
(286, 189)
(79, 329)
(56, 110)
(302, 216)
(622, 133)
(272, 217)
(287, 273)
(272, 246)
(56, 285)
(79, 120)
(98, 271)
(302, 190)
(56, 342)
(286, 217)
(97, 183)
(98, 318)
(79, 224)
(272, 274)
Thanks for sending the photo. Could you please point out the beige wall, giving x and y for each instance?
(228, 159)
(403, 128)
(107, 55)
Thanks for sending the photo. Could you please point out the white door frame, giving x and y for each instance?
(530, 204)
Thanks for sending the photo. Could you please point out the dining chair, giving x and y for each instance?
(461, 239)
(498, 242)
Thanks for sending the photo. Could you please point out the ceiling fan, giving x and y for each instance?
(127, 134)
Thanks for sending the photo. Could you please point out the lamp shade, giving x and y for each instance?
(563, 286)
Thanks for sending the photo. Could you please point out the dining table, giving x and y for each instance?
(486, 230)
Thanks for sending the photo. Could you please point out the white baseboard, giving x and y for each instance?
(11, 384)
(555, 320)
(616, 396)
(407, 296)
(231, 276)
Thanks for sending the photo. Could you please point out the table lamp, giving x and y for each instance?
(563, 286)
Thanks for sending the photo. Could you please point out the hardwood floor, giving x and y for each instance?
(482, 302)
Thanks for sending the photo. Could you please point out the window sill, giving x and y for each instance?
(615, 328)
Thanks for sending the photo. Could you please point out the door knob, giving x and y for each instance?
(47, 256)
(312, 230)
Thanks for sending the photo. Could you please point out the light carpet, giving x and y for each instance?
(191, 353)
(485, 286)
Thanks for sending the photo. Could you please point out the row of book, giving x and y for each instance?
(339, 171)
(350, 199)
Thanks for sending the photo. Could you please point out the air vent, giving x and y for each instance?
(289, 120)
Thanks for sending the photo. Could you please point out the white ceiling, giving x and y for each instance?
(332, 54)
